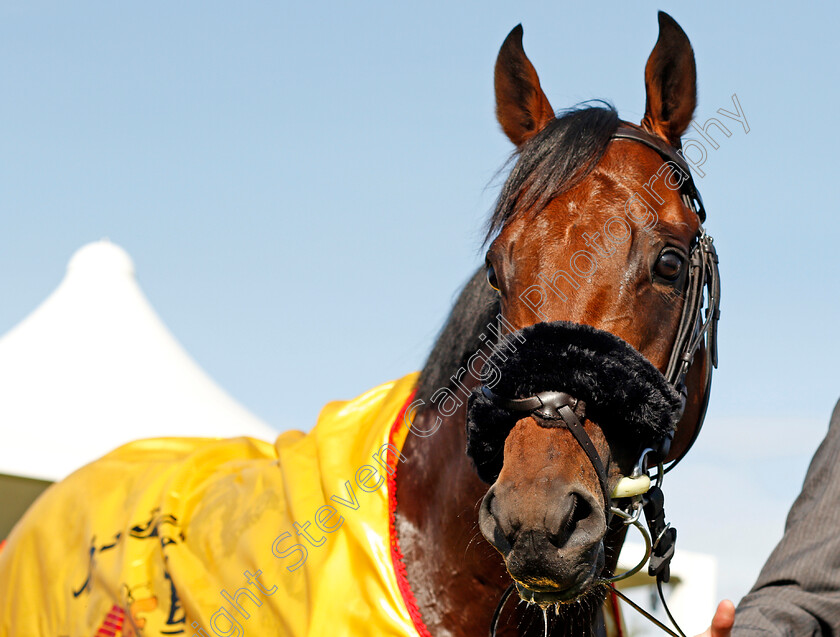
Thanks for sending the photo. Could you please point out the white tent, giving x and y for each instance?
(94, 367)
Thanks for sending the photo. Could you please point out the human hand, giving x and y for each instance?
(722, 621)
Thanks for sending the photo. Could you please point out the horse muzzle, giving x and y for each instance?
(546, 512)
(554, 556)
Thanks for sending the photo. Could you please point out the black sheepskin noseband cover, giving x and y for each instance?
(622, 390)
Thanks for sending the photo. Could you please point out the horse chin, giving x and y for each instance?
(582, 588)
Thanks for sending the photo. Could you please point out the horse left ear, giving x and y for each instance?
(670, 83)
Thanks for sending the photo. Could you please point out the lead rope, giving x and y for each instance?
(647, 615)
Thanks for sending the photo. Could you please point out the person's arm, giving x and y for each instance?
(798, 590)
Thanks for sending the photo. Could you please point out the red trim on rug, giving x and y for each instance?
(396, 554)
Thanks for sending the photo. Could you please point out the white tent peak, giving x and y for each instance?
(94, 367)
(101, 258)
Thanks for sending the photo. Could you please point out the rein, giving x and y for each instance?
(560, 409)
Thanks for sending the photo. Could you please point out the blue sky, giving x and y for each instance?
(302, 188)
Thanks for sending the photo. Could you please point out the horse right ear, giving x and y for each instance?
(521, 106)
(670, 83)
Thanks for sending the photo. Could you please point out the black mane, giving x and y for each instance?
(553, 161)
(476, 306)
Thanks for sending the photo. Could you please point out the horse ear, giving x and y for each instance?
(521, 106)
(670, 83)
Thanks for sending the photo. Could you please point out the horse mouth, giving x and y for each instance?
(549, 597)
(546, 596)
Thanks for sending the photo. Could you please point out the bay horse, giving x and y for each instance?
(567, 243)
(576, 358)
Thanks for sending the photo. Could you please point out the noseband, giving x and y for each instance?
(566, 408)
(557, 409)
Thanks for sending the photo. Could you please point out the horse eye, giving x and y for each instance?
(668, 265)
(491, 277)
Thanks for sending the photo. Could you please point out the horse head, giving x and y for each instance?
(591, 249)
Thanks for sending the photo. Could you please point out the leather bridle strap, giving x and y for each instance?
(695, 328)
(552, 409)
(573, 425)
(704, 278)
(669, 153)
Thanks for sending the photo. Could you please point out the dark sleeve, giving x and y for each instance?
(798, 590)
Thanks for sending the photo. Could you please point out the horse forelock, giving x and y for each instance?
(565, 151)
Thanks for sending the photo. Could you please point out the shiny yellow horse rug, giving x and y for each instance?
(222, 537)
(205, 537)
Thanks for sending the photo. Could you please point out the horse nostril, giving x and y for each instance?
(582, 509)
(489, 522)
(587, 523)
(574, 520)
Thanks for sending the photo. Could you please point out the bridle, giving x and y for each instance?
(695, 328)
(635, 493)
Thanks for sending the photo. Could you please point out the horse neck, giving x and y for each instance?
(455, 576)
